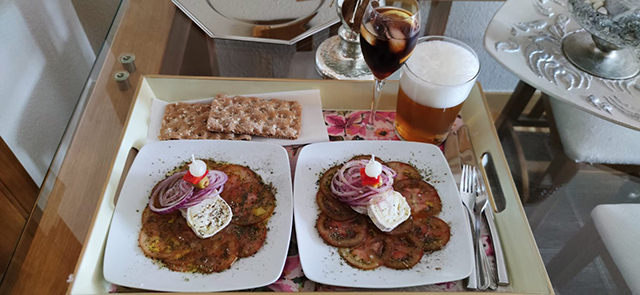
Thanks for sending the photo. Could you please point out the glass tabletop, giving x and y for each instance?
(165, 41)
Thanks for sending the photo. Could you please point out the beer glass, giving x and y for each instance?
(434, 84)
(388, 34)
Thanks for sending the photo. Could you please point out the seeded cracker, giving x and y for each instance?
(255, 116)
(189, 121)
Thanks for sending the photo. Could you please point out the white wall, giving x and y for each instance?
(44, 60)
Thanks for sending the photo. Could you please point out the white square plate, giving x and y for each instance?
(322, 263)
(126, 265)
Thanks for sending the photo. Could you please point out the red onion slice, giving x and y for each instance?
(347, 186)
(174, 193)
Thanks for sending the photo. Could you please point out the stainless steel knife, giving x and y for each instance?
(452, 154)
(498, 196)
(494, 182)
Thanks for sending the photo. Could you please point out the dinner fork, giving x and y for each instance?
(468, 195)
(467, 189)
(486, 278)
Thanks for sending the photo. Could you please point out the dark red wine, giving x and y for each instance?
(387, 39)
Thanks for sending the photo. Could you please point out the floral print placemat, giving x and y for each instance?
(351, 125)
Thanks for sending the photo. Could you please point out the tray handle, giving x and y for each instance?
(133, 152)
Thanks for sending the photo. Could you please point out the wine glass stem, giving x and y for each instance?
(377, 91)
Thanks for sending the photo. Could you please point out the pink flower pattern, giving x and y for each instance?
(351, 125)
(342, 125)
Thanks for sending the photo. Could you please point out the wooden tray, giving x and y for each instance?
(526, 269)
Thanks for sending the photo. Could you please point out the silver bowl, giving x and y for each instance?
(607, 46)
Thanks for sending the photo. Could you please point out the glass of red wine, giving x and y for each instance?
(388, 34)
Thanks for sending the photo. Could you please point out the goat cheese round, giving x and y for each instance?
(209, 217)
(390, 212)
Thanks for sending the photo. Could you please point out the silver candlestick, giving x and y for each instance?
(339, 57)
(607, 48)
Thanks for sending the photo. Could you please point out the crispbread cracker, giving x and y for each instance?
(255, 116)
(189, 121)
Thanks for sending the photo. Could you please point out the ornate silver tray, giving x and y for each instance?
(525, 36)
(267, 21)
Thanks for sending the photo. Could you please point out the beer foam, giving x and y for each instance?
(450, 67)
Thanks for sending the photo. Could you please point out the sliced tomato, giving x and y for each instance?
(221, 252)
(250, 237)
(334, 208)
(165, 235)
(187, 262)
(342, 233)
(421, 196)
(237, 175)
(405, 252)
(369, 254)
(211, 164)
(402, 228)
(168, 237)
(325, 180)
(404, 170)
(366, 157)
(151, 246)
(432, 231)
(250, 202)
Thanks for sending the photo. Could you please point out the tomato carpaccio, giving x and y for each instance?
(362, 245)
(421, 196)
(168, 238)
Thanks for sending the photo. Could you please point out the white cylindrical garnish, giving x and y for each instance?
(197, 168)
(373, 168)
